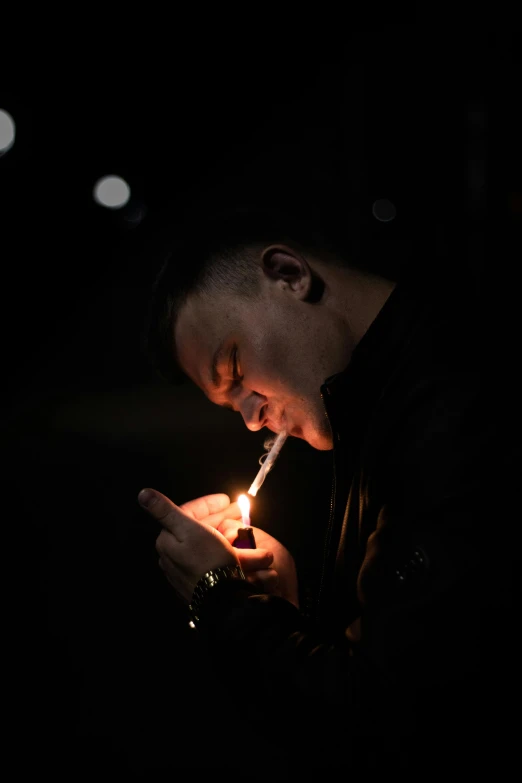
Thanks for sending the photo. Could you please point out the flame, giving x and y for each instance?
(244, 504)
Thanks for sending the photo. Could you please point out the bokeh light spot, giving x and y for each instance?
(384, 210)
(112, 192)
(7, 131)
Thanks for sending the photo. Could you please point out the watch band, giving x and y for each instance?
(207, 582)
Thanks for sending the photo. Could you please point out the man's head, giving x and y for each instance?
(258, 310)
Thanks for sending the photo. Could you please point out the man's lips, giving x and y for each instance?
(296, 432)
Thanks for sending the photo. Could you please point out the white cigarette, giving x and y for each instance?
(268, 463)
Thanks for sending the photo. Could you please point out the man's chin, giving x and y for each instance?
(324, 444)
(317, 440)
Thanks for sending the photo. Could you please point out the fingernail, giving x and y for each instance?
(147, 498)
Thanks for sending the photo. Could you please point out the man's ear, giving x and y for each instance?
(282, 264)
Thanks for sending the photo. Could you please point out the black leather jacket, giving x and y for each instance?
(397, 665)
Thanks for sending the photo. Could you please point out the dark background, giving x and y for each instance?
(104, 671)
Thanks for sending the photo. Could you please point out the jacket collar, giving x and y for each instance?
(357, 388)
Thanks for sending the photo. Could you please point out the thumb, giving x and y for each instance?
(165, 511)
(255, 559)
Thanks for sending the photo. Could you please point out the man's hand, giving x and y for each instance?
(190, 543)
(281, 578)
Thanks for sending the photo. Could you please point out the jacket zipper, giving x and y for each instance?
(328, 535)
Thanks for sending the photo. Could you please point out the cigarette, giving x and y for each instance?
(268, 463)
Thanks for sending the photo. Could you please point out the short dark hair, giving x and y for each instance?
(215, 252)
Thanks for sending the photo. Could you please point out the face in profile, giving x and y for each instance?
(265, 357)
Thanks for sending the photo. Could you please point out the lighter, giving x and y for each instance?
(245, 535)
(245, 539)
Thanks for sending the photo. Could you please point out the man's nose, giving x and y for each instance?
(253, 410)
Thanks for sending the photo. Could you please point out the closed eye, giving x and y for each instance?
(235, 367)
(234, 371)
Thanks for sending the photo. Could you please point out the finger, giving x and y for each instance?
(215, 520)
(229, 527)
(233, 513)
(267, 579)
(165, 511)
(255, 559)
(206, 506)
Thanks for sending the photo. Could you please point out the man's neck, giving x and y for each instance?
(357, 298)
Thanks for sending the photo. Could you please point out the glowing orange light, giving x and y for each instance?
(244, 505)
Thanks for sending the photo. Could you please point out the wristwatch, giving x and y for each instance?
(207, 582)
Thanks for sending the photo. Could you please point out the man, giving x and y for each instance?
(401, 662)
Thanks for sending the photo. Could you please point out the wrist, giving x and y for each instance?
(209, 581)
